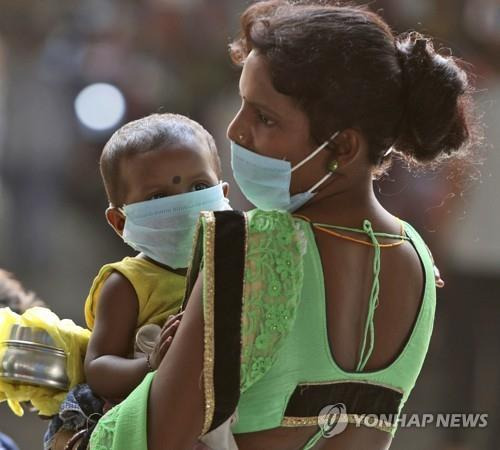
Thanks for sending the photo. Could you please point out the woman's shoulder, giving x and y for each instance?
(264, 220)
(256, 219)
(260, 229)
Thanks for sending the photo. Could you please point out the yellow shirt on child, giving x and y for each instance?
(160, 292)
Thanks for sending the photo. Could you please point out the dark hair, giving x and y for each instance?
(344, 68)
(14, 296)
(151, 133)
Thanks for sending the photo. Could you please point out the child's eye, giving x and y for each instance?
(265, 120)
(200, 186)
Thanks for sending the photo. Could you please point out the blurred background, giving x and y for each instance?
(72, 72)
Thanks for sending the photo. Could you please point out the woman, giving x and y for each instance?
(337, 301)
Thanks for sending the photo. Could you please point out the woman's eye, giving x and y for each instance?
(200, 186)
(156, 196)
(265, 120)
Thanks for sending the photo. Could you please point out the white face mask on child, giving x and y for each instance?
(163, 228)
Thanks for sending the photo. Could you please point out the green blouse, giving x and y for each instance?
(265, 324)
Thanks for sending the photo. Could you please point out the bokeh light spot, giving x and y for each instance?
(100, 106)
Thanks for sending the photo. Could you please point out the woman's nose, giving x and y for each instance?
(235, 130)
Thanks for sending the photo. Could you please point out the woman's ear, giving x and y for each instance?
(349, 146)
(116, 219)
(225, 188)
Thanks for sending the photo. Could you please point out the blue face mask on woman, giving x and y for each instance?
(163, 228)
(265, 181)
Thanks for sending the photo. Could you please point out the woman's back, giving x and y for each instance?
(323, 347)
(348, 275)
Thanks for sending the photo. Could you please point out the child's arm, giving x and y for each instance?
(110, 370)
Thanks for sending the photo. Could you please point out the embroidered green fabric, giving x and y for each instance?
(272, 287)
(103, 434)
(125, 425)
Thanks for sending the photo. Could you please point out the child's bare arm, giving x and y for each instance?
(110, 370)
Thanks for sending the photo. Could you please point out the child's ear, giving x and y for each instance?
(225, 188)
(116, 219)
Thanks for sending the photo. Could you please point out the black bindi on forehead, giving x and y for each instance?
(177, 179)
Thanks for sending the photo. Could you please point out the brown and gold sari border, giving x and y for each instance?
(208, 313)
(224, 259)
(371, 383)
(196, 258)
(230, 233)
(361, 398)
(354, 419)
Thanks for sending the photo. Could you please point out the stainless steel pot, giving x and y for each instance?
(30, 356)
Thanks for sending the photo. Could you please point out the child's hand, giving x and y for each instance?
(166, 336)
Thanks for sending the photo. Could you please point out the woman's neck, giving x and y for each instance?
(349, 208)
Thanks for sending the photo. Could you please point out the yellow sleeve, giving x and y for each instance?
(95, 290)
(159, 291)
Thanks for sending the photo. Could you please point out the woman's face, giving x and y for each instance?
(271, 124)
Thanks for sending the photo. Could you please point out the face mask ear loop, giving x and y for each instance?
(315, 152)
(320, 182)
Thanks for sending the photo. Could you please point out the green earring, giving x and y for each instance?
(333, 165)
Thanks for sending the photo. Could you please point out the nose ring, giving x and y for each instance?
(241, 137)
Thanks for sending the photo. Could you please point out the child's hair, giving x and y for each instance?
(154, 132)
(14, 296)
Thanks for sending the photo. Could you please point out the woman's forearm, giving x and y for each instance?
(176, 400)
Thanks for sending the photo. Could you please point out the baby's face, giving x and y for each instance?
(172, 170)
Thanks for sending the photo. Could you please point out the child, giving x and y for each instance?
(159, 173)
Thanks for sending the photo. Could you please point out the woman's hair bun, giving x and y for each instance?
(436, 98)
